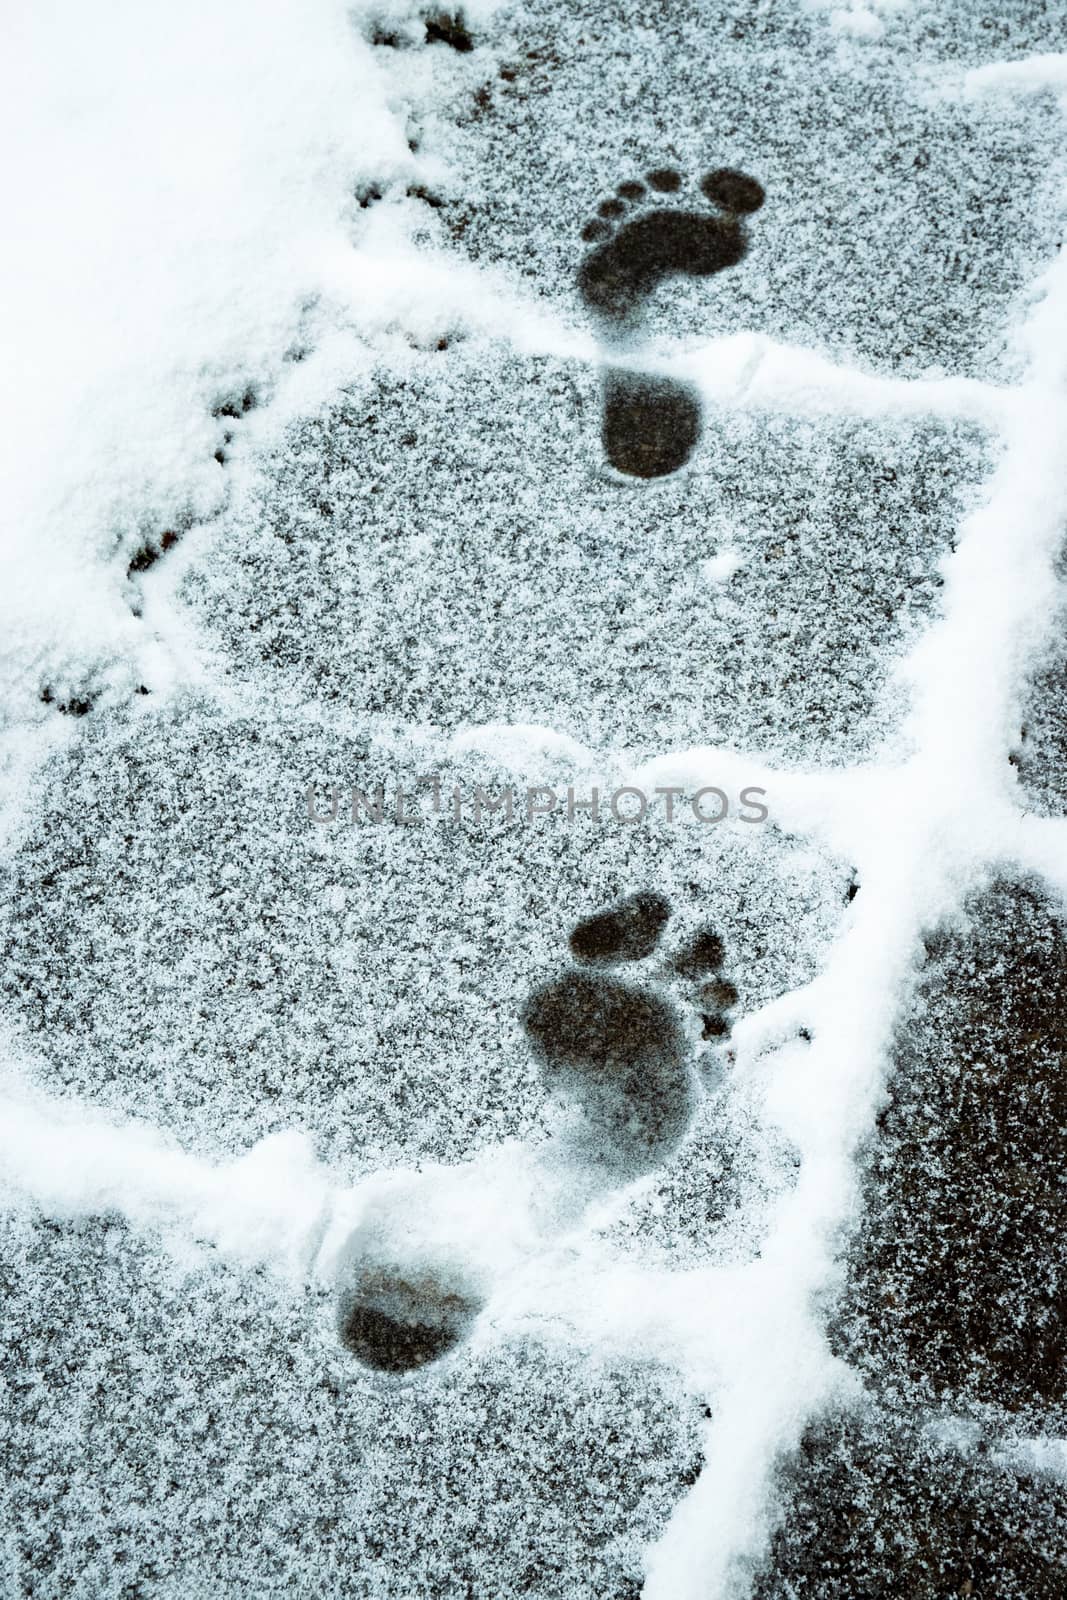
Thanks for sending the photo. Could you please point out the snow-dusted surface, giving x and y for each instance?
(306, 493)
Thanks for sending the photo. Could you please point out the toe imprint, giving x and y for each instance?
(704, 953)
(699, 963)
(630, 260)
(733, 191)
(628, 932)
(666, 179)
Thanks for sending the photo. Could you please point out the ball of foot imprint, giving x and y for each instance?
(620, 1053)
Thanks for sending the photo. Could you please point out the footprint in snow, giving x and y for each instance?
(639, 237)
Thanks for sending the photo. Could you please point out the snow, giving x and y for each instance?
(920, 839)
(721, 568)
(269, 1052)
(266, 1206)
(190, 173)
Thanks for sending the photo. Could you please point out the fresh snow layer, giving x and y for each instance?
(268, 1046)
(181, 181)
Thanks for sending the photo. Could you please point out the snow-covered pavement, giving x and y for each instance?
(534, 994)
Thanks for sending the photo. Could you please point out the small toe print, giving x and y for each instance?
(715, 1026)
(631, 189)
(611, 208)
(720, 993)
(733, 191)
(715, 996)
(666, 179)
(705, 952)
(594, 231)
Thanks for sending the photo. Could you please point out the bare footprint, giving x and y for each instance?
(651, 425)
(409, 1280)
(397, 1322)
(622, 1051)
